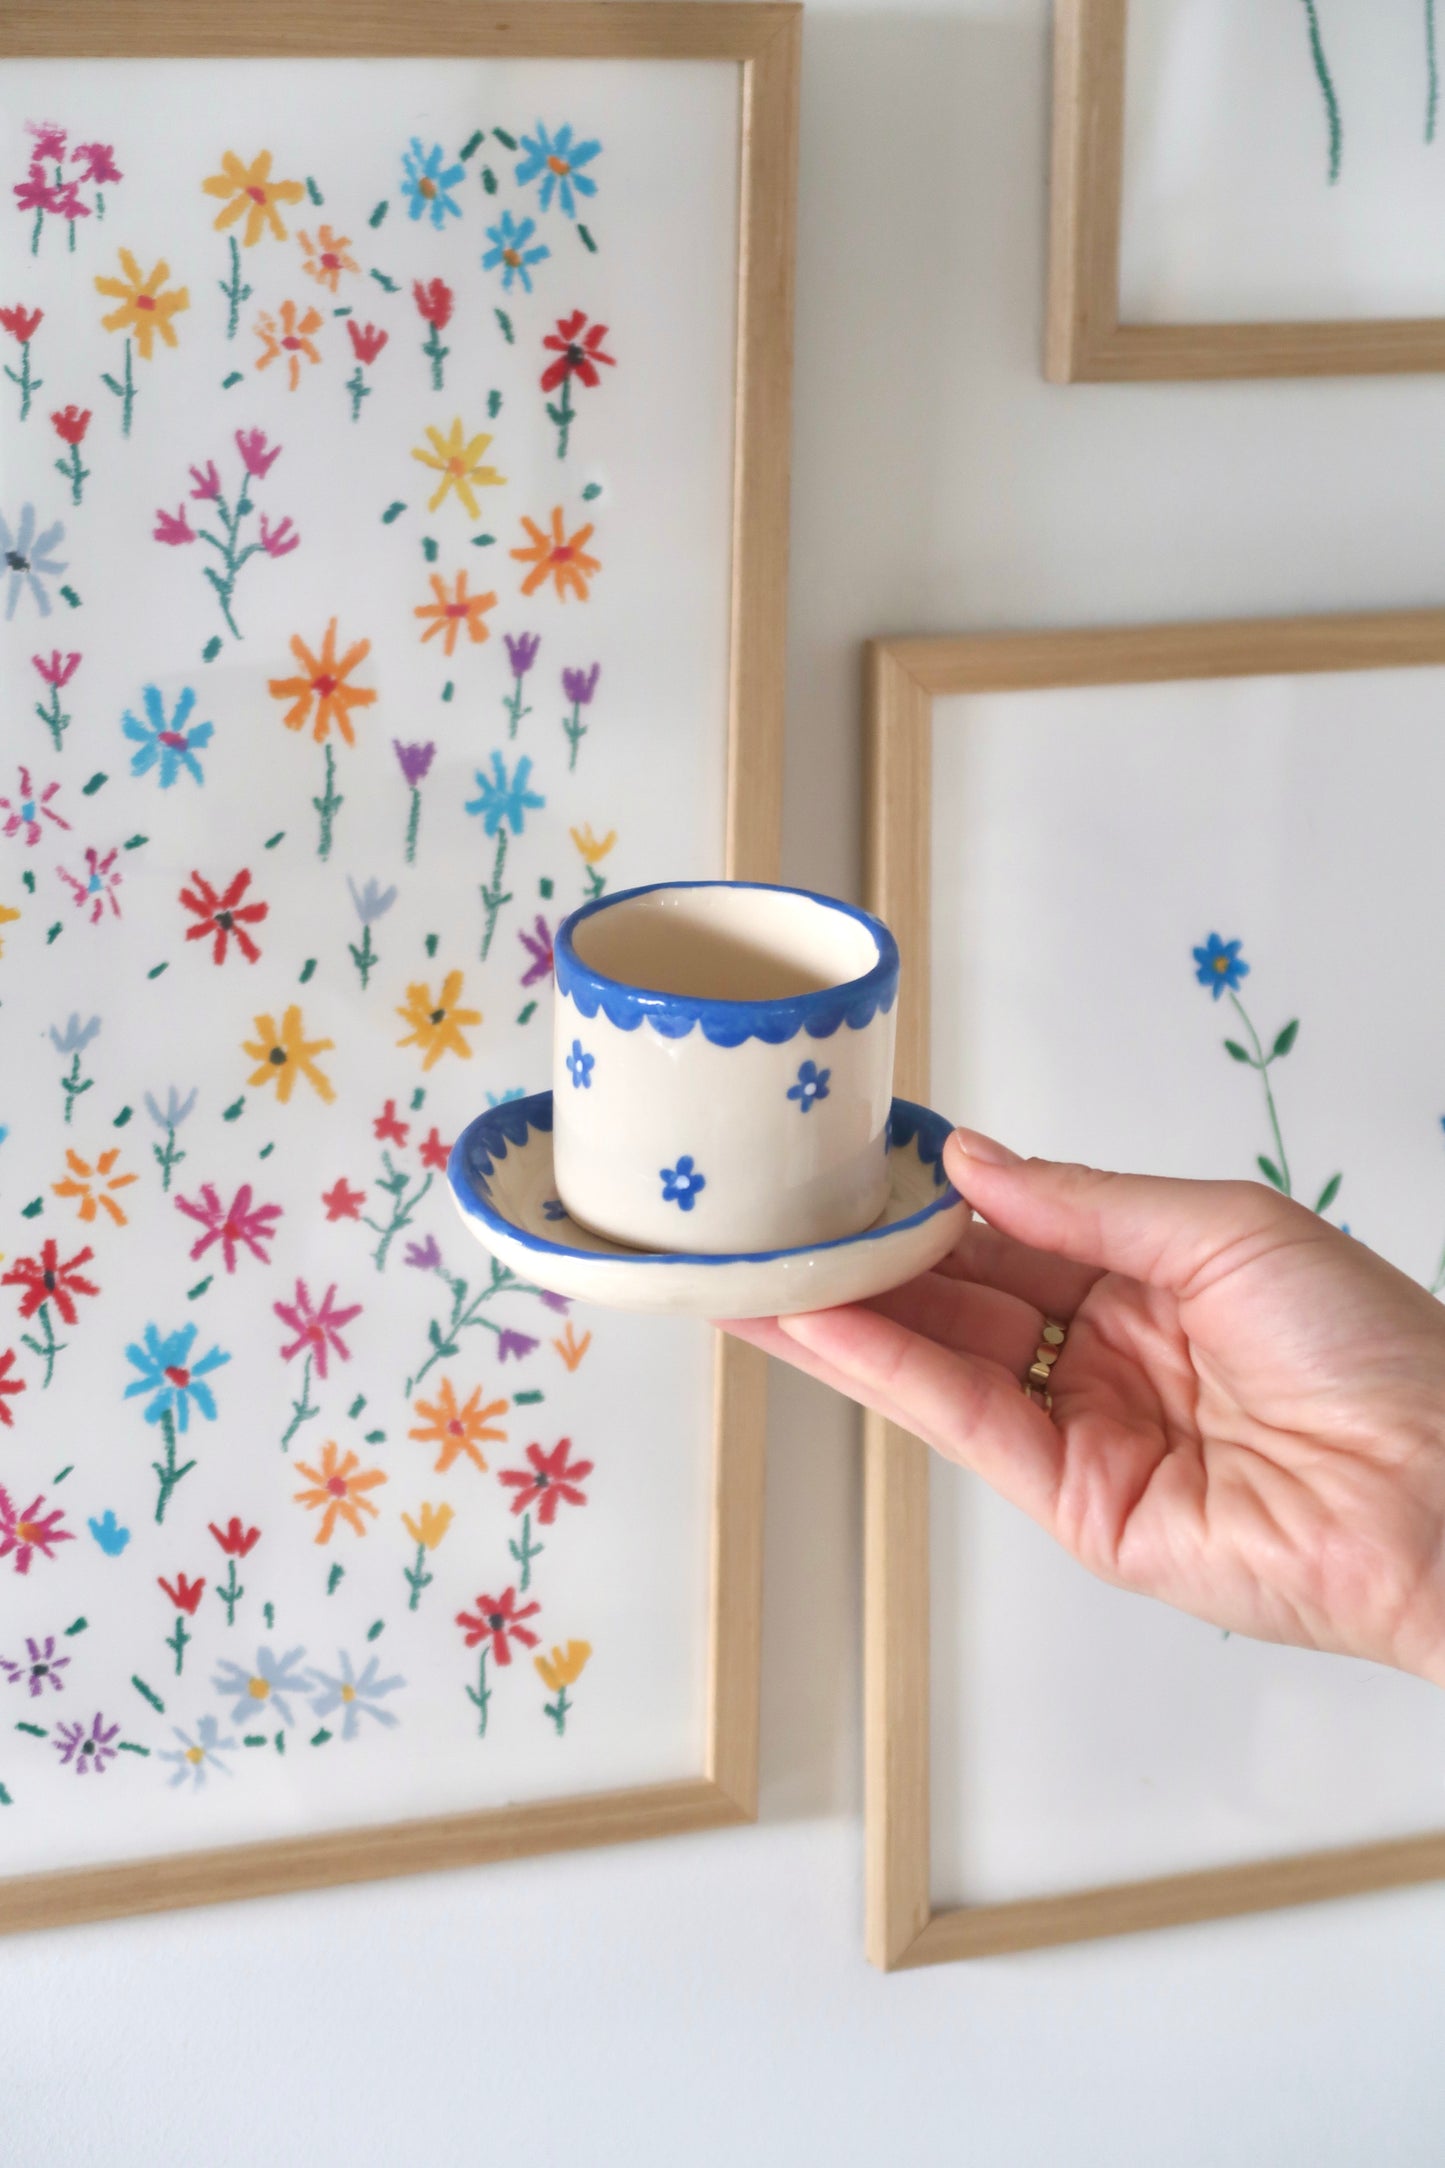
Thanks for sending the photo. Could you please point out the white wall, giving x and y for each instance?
(706, 2001)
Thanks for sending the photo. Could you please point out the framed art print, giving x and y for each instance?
(393, 493)
(1166, 899)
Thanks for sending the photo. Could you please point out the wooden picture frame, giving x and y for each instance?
(903, 679)
(1085, 342)
(763, 42)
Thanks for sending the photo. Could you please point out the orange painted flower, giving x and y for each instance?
(146, 307)
(458, 1429)
(459, 460)
(558, 556)
(288, 339)
(449, 613)
(323, 681)
(281, 1056)
(94, 1186)
(591, 849)
(251, 192)
(564, 1667)
(437, 1026)
(7, 918)
(338, 1489)
(430, 1526)
(325, 258)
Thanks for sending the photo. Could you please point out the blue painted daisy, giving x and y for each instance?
(556, 161)
(509, 252)
(357, 1693)
(428, 184)
(167, 1371)
(812, 1084)
(196, 1754)
(26, 560)
(166, 745)
(263, 1688)
(1219, 965)
(500, 800)
(680, 1184)
(580, 1065)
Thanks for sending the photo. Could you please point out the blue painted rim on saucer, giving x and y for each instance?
(728, 1023)
(489, 1138)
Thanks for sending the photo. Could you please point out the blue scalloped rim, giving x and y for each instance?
(488, 1139)
(729, 1023)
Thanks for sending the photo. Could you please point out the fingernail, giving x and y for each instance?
(976, 1146)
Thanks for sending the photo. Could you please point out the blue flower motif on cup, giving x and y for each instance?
(812, 1084)
(580, 1065)
(1219, 965)
(680, 1184)
(553, 1208)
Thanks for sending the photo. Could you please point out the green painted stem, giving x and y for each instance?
(364, 956)
(1262, 1064)
(167, 1158)
(168, 1475)
(230, 1592)
(328, 805)
(494, 897)
(1327, 89)
(48, 1348)
(301, 1408)
(413, 824)
(436, 353)
(1432, 64)
(514, 707)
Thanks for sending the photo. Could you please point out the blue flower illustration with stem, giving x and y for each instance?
(371, 902)
(509, 252)
(502, 803)
(1220, 966)
(580, 1065)
(169, 1118)
(556, 162)
(73, 1041)
(167, 744)
(174, 1382)
(680, 1184)
(812, 1084)
(429, 185)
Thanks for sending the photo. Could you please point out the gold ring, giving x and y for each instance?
(1046, 1354)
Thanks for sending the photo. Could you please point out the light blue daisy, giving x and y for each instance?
(167, 1371)
(509, 252)
(265, 1687)
(167, 745)
(429, 185)
(194, 1756)
(555, 161)
(357, 1695)
(26, 561)
(503, 802)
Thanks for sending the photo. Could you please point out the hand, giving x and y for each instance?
(1248, 1411)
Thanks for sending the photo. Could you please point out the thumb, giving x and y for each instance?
(1164, 1232)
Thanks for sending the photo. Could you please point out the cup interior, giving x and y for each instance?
(724, 942)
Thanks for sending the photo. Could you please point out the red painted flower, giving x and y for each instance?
(59, 670)
(433, 1152)
(317, 1329)
(237, 1540)
(21, 323)
(70, 424)
(186, 1595)
(228, 1224)
(434, 299)
(499, 1621)
(387, 1128)
(367, 340)
(45, 1279)
(551, 1479)
(224, 915)
(341, 1202)
(172, 527)
(30, 1531)
(579, 351)
(8, 1385)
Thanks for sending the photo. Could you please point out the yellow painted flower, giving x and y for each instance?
(564, 1667)
(591, 850)
(145, 306)
(288, 339)
(251, 192)
(458, 459)
(338, 1489)
(429, 1527)
(450, 612)
(437, 1026)
(323, 681)
(94, 1186)
(284, 1055)
(558, 556)
(458, 1429)
(7, 918)
(325, 258)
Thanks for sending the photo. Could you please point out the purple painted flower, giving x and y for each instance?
(41, 1666)
(80, 1749)
(580, 685)
(539, 947)
(522, 651)
(514, 1343)
(415, 760)
(426, 1256)
(553, 1302)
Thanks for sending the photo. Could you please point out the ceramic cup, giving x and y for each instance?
(722, 1066)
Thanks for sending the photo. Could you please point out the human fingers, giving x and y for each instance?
(767, 1333)
(1055, 1285)
(969, 1319)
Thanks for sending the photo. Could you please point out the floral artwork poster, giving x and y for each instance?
(365, 471)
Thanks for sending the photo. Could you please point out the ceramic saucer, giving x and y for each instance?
(501, 1178)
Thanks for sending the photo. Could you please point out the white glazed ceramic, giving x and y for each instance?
(503, 1178)
(722, 1067)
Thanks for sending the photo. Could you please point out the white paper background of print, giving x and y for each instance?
(1229, 213)
(1084, 842)
(630, 1572)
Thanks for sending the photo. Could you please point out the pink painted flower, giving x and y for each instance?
(100, 166)
(228, 1224)
(68, 203)
(317, 1329)
(276, 541)
(30, 808)
(81, 1749)
(35, 192)
(59, 670)
(539, 947)
(257, 460)
(49, 138)
(97, 889)
(172, 528)
(22, 1534)
(207, 481)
